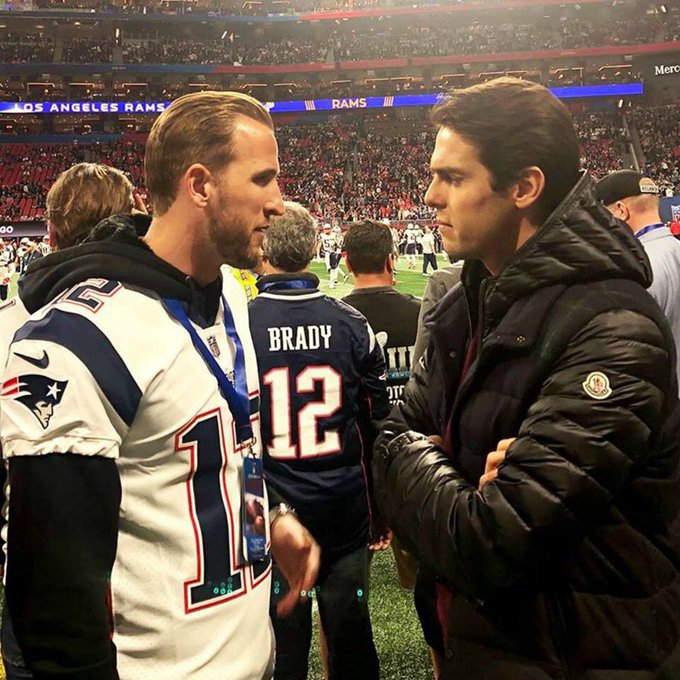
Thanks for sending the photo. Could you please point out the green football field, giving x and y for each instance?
(408, 280)
(398, 639)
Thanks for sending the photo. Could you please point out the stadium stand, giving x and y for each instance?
(476, 30)
(344, 169)
(659, 133)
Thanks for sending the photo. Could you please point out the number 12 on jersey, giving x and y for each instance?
(312, 439)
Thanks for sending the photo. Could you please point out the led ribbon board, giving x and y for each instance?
(300, 106)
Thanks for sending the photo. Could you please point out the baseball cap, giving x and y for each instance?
(624, 184)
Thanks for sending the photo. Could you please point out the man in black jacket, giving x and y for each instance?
(563, 561)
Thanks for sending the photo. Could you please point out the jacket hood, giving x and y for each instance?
(114, 250)
(580, 242)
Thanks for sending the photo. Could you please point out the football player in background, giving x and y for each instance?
(411, 233)
(428, 247)
(129, 554)
(323, 381)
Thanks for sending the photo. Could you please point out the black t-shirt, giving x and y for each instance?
(393, 316)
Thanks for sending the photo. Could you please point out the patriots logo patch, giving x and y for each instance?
(40, 394)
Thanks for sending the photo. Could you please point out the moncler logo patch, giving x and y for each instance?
(596, 385)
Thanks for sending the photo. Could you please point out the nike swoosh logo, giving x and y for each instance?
(43, 362)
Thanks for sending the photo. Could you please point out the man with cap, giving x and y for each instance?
(634, 199)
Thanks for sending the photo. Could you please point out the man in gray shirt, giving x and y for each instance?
(634, 199)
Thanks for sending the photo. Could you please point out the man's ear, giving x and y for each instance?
(389, 263)
(199, 184)
(622, 211)
(51, 235)
(528, 189)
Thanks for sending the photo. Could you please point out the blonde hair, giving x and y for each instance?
(195, 128)
(84, 195)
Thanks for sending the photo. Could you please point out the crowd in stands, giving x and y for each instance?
(602, 142)
(350, 42)
(345, 169)
(659, 131)
(27, 171)
(87, 51)
(396, 41)
(391, 175)
(284, 51)
(22, 47)
(316, 165)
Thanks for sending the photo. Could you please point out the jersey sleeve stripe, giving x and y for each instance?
(83, 339)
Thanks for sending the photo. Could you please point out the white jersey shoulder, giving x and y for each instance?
(105, 370)
(13, 315)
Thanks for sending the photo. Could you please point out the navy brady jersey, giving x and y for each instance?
(323, 379)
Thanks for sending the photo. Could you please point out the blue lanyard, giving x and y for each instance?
(236, 395)
(646, 230)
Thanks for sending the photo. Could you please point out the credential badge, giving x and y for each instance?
(214, 347)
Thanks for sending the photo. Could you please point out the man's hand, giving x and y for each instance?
(382, 541)
(297, 554)
(140, 206)
(493, 460)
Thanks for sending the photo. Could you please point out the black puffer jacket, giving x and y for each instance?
(567, 565)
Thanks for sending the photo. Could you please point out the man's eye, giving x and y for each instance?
(263, 180)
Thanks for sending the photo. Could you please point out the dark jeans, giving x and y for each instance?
(4, 288)
(431, 259)
(12, 658)
(342, 594)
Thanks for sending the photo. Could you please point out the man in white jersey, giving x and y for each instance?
(412, 233)
(138, 541)
(427, 245)
(80, 197)
(328, 246)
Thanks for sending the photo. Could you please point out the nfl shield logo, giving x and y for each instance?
(214, 347)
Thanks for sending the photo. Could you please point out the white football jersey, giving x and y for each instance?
(412, 235)
(104, 370)
(13, 315)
